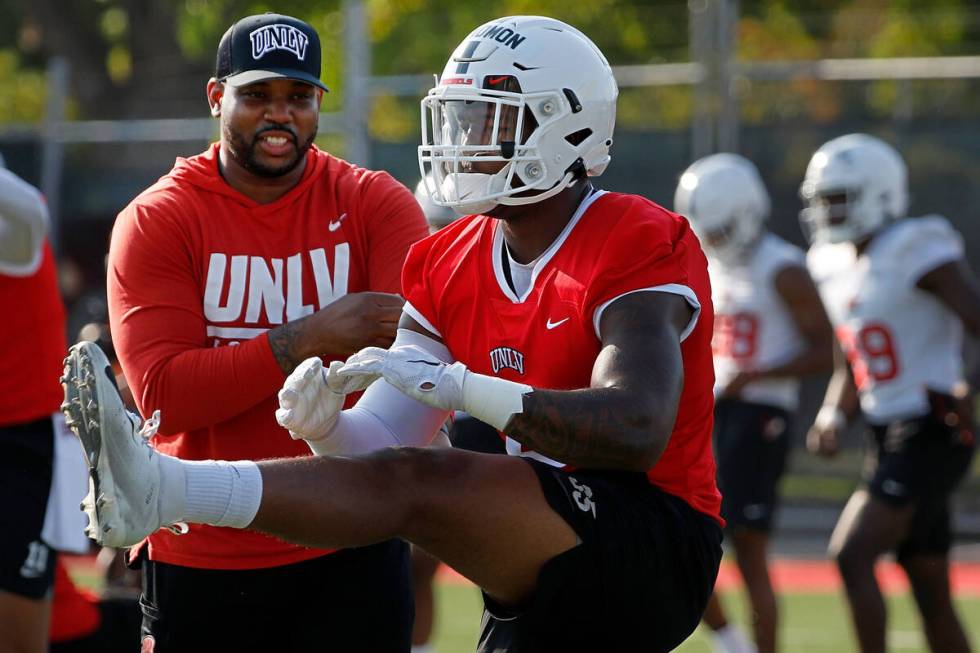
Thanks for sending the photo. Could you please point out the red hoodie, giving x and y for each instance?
(199, 272)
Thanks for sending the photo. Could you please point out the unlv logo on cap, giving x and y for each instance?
(278, 37)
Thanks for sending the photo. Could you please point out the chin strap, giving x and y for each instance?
(564, 183)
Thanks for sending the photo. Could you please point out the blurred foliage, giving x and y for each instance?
(21, 90)
(152, 57)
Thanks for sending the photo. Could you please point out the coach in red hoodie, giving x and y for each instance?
(234, 267)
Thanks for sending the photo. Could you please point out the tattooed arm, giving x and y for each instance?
(339, 329)
(624, 420)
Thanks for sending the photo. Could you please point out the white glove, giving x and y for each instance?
(425, 378)
(311, 399)
(411, 369)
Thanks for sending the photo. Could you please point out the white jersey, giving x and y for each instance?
(899, 340)
(754, 329)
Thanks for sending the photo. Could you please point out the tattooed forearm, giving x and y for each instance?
(284, 341)
(597, 428)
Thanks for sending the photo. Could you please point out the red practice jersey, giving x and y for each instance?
(33, 331)
(199, 272)
(549, 338)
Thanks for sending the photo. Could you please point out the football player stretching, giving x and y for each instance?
(575, 321)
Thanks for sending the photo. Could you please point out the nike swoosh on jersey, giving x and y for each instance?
(335, 224)
(551, 325)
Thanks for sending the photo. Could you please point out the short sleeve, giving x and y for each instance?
(926, 244)
(416, 278)
(653, 254)
(776, 254)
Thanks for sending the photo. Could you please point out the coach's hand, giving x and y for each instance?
(364, 319)
(311, 399)
(339, 329)
(414, 371)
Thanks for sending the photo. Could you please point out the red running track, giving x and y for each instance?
(820, 576)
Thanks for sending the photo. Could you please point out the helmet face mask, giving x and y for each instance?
(827, 215)
(516, 117)
(471, 147)
(731, 243)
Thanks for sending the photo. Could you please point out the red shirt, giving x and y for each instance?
(199, 272)
(33, 332)
(615, 244)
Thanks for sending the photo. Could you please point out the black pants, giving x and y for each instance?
(751, 447)
(921, 461)
(638, 581)
(353, 600)
(26, 464)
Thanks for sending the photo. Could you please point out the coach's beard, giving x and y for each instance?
(240, 147)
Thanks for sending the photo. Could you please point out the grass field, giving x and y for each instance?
(812, 623)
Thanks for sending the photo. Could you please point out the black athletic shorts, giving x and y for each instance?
(920, 460)
(751, 447)
(639, 580)
(353, 600)
(26, 462)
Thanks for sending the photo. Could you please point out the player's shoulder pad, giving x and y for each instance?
(775, 253)
(454, 237)
(910, 237)
(638, 220)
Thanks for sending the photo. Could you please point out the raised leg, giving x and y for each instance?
(483, 515)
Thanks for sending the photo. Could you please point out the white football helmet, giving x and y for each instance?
(437, 216)
(524, 106)
(853, 185)
(726, 202)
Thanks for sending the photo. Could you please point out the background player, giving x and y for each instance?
(770, 329)
(234, 267)
(35, 482)
(623, 549)
(899, 295)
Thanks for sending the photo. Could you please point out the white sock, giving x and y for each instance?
(211, 492)
(423, 648)
(731, 639)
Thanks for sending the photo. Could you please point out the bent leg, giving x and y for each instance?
(486, 516)
(867, 528)
(750, 555)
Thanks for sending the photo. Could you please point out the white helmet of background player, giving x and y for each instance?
(853, 185)
(726, 202)
(527, 93)
(437, 216)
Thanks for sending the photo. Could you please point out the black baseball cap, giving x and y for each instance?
(269, 46)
